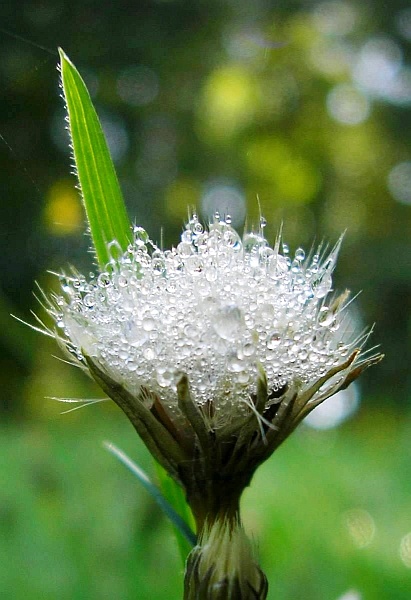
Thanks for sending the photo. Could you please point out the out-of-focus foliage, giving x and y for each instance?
(305, 105)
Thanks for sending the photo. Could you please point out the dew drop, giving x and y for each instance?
(242, 377)
(232, 239)
(89, 300)
(299, 254)
(194, 265)
(211, 273)
(167, 377)
(325, 317)
(186, 236)
(103, 280)
(235, 364)
(158, 266)
(149, 354)
(273, 340)
(114, 251)
(184, 249)
(140, 236)
(228, 321)
(122, 281)
(248, 349)
(148, 324)
(322, 287)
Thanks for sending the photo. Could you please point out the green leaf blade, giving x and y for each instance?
(100, 189)
(182, 524)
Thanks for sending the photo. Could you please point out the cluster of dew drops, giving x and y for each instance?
(215, 307)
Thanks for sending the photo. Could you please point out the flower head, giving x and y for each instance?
(215, 349)
(216, 308)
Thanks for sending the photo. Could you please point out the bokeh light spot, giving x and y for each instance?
(137, 85)
(405, 550)
(335, 18)
(228, 103)
(350, 595)
(226, 198)
(63, 213)
(360, 526)
(348, 105)
(116, 135)
(399, 182)
(378, 63)
(335, 410)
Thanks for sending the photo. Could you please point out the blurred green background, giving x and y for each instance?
(209, 104)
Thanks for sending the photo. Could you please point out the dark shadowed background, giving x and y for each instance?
(302, 105)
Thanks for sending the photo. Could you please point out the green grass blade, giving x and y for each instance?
(103, 201)
(178, 522)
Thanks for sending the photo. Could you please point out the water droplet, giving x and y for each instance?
(114, 251)
(211, 273)
(103, 280)
(232, 239)
(235, 364)
(299, 254)
(321, 287)
(266, 253)
(252, 242)
(167, 377)
(242, 377)
(148, 324)
(228, 321)
(122, 281)
(140, 236)
(158, 266)
(185, 249)
(266, 311)
(89, 300)
(273, 340)
(149, 354)
(248, 349)
(186, 237)
(194, 264)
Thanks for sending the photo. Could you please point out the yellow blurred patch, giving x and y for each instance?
(181, 194)
(358, 152)
(63, 213)
(230, 99)
(293, 178)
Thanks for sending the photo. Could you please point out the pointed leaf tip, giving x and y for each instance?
(105, 209)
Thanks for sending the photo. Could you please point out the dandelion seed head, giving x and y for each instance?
(217, 307)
